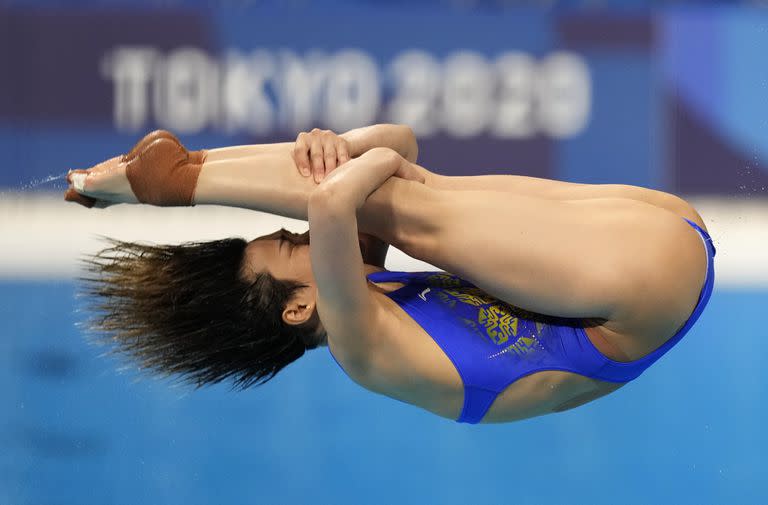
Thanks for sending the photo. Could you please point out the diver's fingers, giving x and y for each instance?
(300, 154)
(342, 150)
(329, 154)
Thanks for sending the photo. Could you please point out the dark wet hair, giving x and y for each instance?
(186, 310)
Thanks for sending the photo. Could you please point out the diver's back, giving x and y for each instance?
(484, 375)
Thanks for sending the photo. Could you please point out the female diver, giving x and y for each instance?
(553, 294)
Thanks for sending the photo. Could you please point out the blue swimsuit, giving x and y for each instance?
(493, 344)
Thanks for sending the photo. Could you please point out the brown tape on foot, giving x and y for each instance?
(196, 157)
(163, 172)
(160, 173)
(146, 140)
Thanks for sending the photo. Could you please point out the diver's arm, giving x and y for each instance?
(344, 302)
(399, 138)
(354, 182)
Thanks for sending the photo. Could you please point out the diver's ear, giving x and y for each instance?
(297, 312)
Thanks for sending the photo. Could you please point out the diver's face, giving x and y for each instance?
(283, 254)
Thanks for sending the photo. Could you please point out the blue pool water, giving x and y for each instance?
(74, 430)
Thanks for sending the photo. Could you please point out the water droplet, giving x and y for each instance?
(45, 180)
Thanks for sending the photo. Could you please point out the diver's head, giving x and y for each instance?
(207, 311)
(284, 255)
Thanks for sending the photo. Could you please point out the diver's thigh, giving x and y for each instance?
(562, 258)
(562, 190)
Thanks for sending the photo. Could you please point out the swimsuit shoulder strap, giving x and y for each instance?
(435, 279)
(387, 276)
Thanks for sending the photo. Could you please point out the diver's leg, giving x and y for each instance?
(561, 190)
(610, 258)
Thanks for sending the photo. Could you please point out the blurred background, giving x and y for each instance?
(671, 97)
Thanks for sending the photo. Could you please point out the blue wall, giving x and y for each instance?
(74, 431)
(670, 99)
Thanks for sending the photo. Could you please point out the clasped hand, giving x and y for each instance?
(319, 152)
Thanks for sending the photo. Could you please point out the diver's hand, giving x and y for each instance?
(319, 152)
(158, 171)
